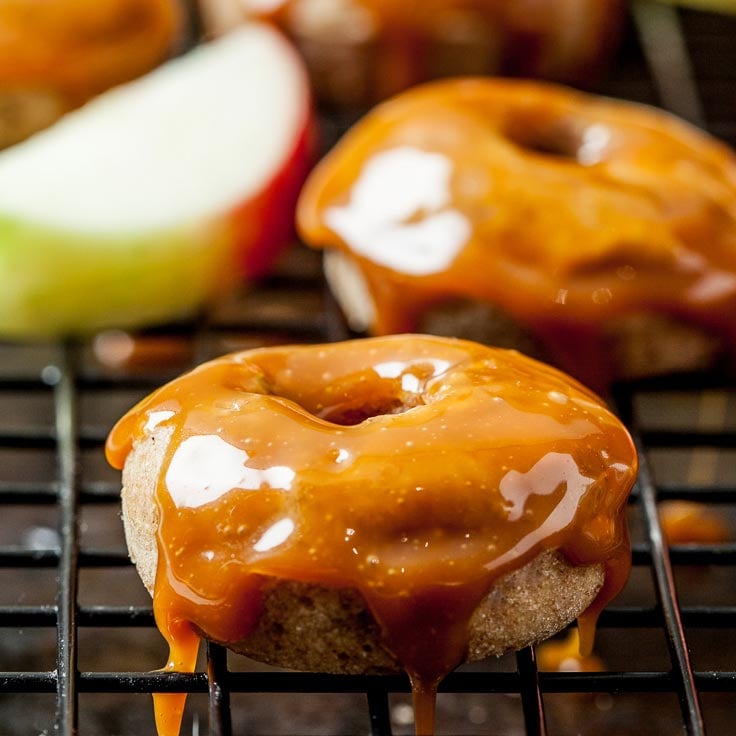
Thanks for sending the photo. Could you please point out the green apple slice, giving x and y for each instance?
(158, 195)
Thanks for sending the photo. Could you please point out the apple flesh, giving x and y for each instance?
(157, 196)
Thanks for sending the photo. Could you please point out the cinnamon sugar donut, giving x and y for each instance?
(603, 231)
(336, 507)
(56, 55)
(361, 51)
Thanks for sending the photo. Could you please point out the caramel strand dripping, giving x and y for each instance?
(183, 644)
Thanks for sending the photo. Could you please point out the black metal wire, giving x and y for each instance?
(65, 405)
(531, 695)
(219, 700)
(378, 712)
(667, 596)
(219, 682)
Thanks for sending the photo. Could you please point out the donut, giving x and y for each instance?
(602, 232)
(361, 51)
(335, 507)
(57, 55)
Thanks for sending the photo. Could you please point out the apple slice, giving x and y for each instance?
(158, 195)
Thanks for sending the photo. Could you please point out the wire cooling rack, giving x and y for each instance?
(78, 644)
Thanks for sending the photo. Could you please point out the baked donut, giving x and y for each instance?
(602, 232)
(335, 507)
(361, 51)
(57, 55)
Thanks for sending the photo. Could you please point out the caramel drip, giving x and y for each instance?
(563, 655)
(415, 470)
(568, 213)
(183, 647)
(424, 700)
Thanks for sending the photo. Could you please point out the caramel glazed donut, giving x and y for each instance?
(362, 51)
(338, 507)
(603, 232)
(57, 55)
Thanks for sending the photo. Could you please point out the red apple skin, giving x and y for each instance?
(265, 224)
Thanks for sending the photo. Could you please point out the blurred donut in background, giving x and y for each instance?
(56, 55)
(361, 51)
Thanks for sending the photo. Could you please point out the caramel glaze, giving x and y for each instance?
(564, 210)
(414, 469)
(410, 41)
(82, 47)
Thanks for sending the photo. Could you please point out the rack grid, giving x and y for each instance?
(77, 636)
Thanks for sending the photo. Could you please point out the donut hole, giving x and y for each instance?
(556, 139)
(339, 394)
(355, 412)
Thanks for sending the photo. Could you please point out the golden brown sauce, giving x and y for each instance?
(563, 655)
(688, 522)
(567, 212)
(82, 47)
(416, 470)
